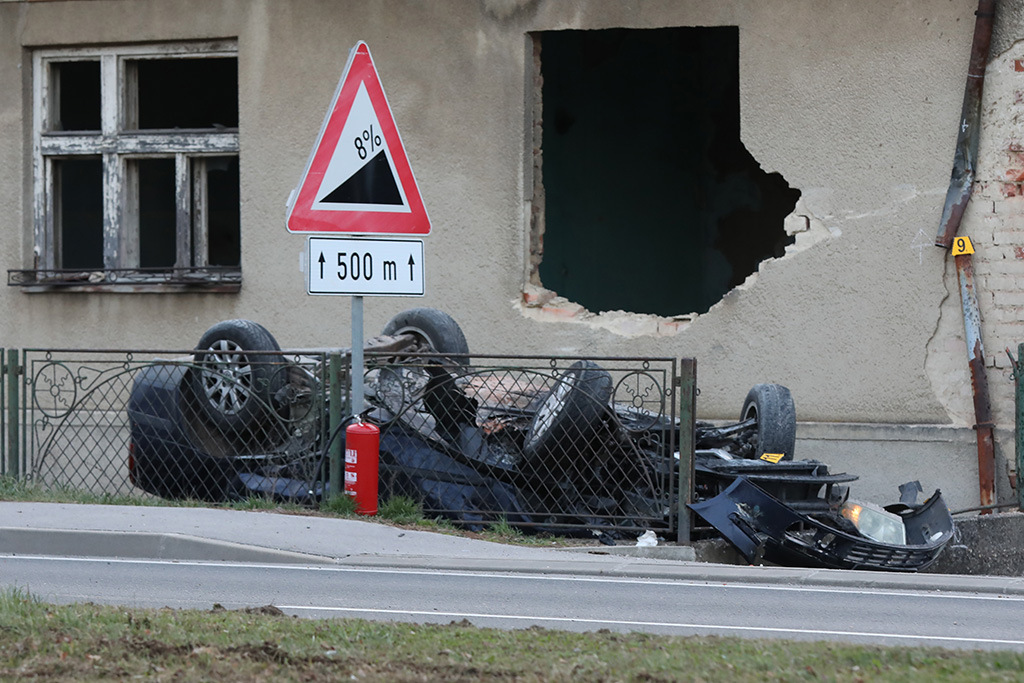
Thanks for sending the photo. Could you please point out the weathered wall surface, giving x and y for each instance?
(854, 102)
(995, 223)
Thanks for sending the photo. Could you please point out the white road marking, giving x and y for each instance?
(662, 624)
(922, 593)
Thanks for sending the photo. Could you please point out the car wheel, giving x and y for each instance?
(568, 415)
(433, 329)
(232, 386)
(772, 406)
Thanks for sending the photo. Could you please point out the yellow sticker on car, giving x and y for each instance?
(962, 245)
(773, 458)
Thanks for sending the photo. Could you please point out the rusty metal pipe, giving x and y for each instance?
(957, 196)
(979, 380)
(959, 192)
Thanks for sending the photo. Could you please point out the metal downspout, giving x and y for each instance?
(957, 196)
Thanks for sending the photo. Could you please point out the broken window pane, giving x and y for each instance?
(76, 95)
(223, 219)
(158, 241)
(78, 211)
(186, 93)
(651, 202)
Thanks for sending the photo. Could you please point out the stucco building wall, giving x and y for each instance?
(856, 103)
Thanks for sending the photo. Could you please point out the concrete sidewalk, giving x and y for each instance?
(217, 534)
(207, 534)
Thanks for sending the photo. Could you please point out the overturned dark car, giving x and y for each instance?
(562, 446)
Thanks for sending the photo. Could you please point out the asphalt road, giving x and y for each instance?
(319, 567)
(519, 600)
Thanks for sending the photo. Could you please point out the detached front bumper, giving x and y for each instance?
(761, 527)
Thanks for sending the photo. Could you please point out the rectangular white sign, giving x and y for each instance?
(365, 267)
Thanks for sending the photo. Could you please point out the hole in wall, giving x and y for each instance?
(645, 198)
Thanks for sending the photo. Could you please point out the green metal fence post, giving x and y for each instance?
(1019, 441)
(12, 371)
(686, 445)
(3, 411)
(335, 477)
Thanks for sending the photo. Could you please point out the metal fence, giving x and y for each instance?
(563, 444)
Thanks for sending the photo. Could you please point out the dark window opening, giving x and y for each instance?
(158, 235)
(79, 212)
(187, 93)
(76, 96)
(651, 202)
(223, 217)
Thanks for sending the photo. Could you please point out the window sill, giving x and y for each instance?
(128, 280)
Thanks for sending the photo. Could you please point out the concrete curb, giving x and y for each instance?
(660, 562)
(710, 573)
(142, 545)
(673, 553)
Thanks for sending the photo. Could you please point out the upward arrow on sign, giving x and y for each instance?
(358, 178)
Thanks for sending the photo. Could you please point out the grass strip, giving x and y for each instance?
(84, 642)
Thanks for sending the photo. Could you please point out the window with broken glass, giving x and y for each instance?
(136, 174)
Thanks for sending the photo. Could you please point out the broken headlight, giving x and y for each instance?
(875, 523)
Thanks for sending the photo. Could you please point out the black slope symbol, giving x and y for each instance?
(372, 184)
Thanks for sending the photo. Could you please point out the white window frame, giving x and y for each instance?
(117, 143)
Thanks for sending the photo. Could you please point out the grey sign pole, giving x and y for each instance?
(357, 355)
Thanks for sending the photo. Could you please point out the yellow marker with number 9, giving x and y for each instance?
(962, 245)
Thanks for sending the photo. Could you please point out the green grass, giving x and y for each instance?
(20, 491)
(400, 510)
(16, 490)
(505, 530)
(341, 506)
(44, 642)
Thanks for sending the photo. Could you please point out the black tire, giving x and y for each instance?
(434, 329)
(568, 416)
(233, 389)
(772, 406)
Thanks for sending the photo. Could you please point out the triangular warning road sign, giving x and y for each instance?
(358, 178)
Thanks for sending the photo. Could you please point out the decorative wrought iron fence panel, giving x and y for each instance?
(169, 423)
(549, 443)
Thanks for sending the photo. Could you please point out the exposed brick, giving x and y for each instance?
(1009, 334)
(999, 266)
(1015, 152)
(1013, 187)
(998, 283)
(535, 297)
(1003, 314)
(672, 326)
(1005, 234)
(1011, 208)
(1013, 298)
(566, 310)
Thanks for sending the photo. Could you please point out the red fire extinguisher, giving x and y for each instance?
(362, 454)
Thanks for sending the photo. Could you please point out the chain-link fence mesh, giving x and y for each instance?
(548, 443)
(544, 443)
